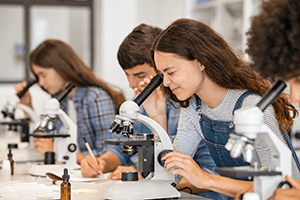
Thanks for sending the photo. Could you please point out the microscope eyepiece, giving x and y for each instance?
(29, 84)
(269, 97)
(155, 82)
(61, 95)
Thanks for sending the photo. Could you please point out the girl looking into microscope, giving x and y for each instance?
(203, 74)
(92, 104)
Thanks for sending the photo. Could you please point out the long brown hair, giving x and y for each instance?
(193, 40)
(62, 58)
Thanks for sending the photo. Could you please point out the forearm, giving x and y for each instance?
(112, 161)
(228, 186)
(185, 183)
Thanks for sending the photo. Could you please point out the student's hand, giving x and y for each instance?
(188, 168)
(90, 168)
(26, 98)
(155, 105)
(290, 194)
(117, 174)
(43, 145)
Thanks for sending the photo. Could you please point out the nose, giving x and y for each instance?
(133, 83)
(294, 96)
(41, 82)
(166, 81)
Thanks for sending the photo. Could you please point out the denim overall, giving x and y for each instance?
(216, 135)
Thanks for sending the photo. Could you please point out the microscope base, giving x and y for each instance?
(141, 189)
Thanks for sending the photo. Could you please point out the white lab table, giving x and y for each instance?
(80, 190)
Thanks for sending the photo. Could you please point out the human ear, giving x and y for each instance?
(202, 67)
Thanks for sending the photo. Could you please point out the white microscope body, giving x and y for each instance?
(248, 123)
(159, 185)
(19, 125)
(13, 103)
(65, 144)
(65, 139)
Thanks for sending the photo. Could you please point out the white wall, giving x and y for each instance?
(161, 12)
(114, 20)
(49, 22)
(11, 36)
(117, 19)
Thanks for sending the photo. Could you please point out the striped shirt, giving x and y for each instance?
(189, 132)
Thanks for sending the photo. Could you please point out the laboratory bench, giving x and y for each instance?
(25, 185)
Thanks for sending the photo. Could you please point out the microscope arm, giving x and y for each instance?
(32, 115)
(65, 119)
(161, 184)
(281, 154)
(159, 133)
(162, 143)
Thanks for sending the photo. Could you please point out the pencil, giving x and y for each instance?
(90, 150)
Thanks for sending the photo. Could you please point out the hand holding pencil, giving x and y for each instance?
(89, 149)
(91, 166)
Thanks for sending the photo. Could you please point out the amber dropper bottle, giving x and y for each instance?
(65, 186)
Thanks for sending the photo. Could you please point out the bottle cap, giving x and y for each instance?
(9, 154)
(65, 175)
(12, 146)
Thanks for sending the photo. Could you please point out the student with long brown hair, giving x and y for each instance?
(134, 58)
(203, 74)
(92, 104)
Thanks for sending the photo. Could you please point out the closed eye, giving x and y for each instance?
(141, 76)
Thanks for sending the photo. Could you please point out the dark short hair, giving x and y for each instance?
(135, 48)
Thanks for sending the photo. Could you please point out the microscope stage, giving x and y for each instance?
(244, 172)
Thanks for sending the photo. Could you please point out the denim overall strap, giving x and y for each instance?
(288, 140)
(240, 101)
(216, 134)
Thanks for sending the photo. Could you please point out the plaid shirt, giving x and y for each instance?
(95, 113)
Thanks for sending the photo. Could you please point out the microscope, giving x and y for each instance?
(248, 122)
(159, 184)
(65, 144)
(12, 104)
